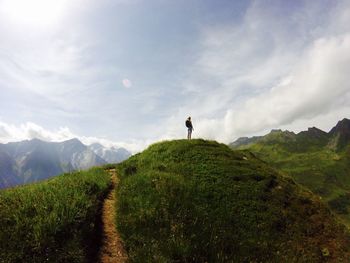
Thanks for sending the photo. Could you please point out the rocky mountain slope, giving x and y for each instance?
(110, 155)
(34, 160)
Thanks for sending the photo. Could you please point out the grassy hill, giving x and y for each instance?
(314, 158)
(52, 221)
(200, 201)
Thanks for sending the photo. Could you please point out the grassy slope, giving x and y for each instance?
(199, 201)
(320, 168)
(51, 221)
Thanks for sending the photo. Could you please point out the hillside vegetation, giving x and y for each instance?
(314, 158)
(200, 201)
(52, 221)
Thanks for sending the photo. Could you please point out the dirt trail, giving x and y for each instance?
(112, 249)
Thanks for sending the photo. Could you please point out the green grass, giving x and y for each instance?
(51, 221)
(321, 169)
(199, 201)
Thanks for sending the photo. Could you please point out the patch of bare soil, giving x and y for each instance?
(112, 249)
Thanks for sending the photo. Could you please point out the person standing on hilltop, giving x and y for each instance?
(189, 127)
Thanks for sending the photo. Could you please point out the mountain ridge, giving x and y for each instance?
(34, 160)
(110, 155)
(316, 159)
(336, 138)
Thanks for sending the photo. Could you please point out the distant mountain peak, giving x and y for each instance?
(280, 131)
(35, 140)
(337, 139)
(33, 160)
(96, 144)
(242, 139)
(314, 132)
(314, 129)
(110, 154)
(342, 126)
(345, 120)
(245, 141)
(276, 131)
(74, 140)
(72, 145)
(340, 135)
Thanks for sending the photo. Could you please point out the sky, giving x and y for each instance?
(129, 72)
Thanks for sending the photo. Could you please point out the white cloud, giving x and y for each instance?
(258, 75)
(318, 85)
(29, 130)
(274, 67)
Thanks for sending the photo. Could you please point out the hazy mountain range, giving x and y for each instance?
(316, 159)
(33, 160)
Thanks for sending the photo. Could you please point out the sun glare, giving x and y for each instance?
(33, 12)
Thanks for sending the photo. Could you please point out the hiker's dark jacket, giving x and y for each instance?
(189, 124)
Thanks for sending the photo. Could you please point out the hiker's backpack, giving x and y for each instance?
(188, 124)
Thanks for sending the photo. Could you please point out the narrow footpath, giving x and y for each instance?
(112, 249)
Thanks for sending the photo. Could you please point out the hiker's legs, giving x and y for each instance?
(189, 134)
